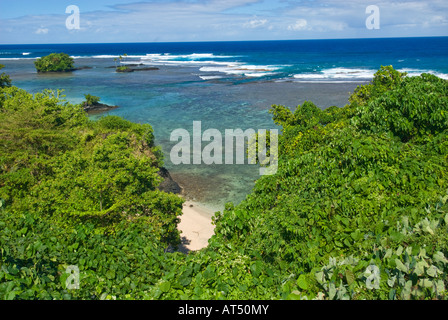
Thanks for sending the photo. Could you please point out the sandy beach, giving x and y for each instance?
(195, 226)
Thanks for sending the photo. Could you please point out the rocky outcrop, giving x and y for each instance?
(82, 68)
(168, 184)
(132, 68)
(98, 107)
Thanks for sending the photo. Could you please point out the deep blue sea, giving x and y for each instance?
(225, 85)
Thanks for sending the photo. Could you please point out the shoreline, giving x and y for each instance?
(195, 226)
(195, 223)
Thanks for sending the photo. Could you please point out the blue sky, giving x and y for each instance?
(43, 21)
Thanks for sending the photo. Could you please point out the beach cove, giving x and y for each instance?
(225, 86)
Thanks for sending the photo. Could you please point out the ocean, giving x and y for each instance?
(225, 85)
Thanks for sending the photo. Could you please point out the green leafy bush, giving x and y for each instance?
(55, 62)
(415, 109)
(346, 177)
(123, 69)
(36, 253)
(57, 162)
(91, 100)
(5, 81)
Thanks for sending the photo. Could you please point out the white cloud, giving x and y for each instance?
(300, 24)
(256, 23)
(211, 20)
(41, 30)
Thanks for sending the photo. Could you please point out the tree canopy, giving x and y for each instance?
(55, 62)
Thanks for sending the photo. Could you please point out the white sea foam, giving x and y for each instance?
(15, 59)
(337, 74)
(209, 77)
(242, 69)
(342, 75)
(104, 56)
(194, 57)
(260, 74)
(207, 62)
(417, 72)
(26, 53)
(441, 75)
(108, 56)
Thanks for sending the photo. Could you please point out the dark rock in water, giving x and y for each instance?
(146, 69)
(98, 107)
(82, 68)
(168, 184)
(134, 64)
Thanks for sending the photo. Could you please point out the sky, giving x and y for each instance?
(106, 21)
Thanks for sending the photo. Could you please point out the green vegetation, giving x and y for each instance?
(123, 69)
(5, 81)
(91, 100)
(55, 62)
(73, 190)
(354, 182)
(357, 210)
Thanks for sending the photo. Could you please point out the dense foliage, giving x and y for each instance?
(357, 210)
(354, 182)
(55, 62)
(62, 175)
(5, 81)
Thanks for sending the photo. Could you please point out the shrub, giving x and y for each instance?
(55, 62)
(5, 81)
(91, 100)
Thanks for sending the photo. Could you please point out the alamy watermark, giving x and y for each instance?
(230, 148)
(73, 22)
(373, 277)
(373, 20)
(72, 281)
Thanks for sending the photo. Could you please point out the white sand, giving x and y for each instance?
(195, 226)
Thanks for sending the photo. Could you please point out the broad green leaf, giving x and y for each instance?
(432, 271)
(320, 277)
(392, 294)
(406, 291)
(165, 286)
(426, 283)
(331, 291)
(440, 286)
(294, 295)
(440, 257)
(110, 274)
(401, 266)
(302, 282)
(342, 293)
(350, 277)
(185, 281)
(420, 267)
